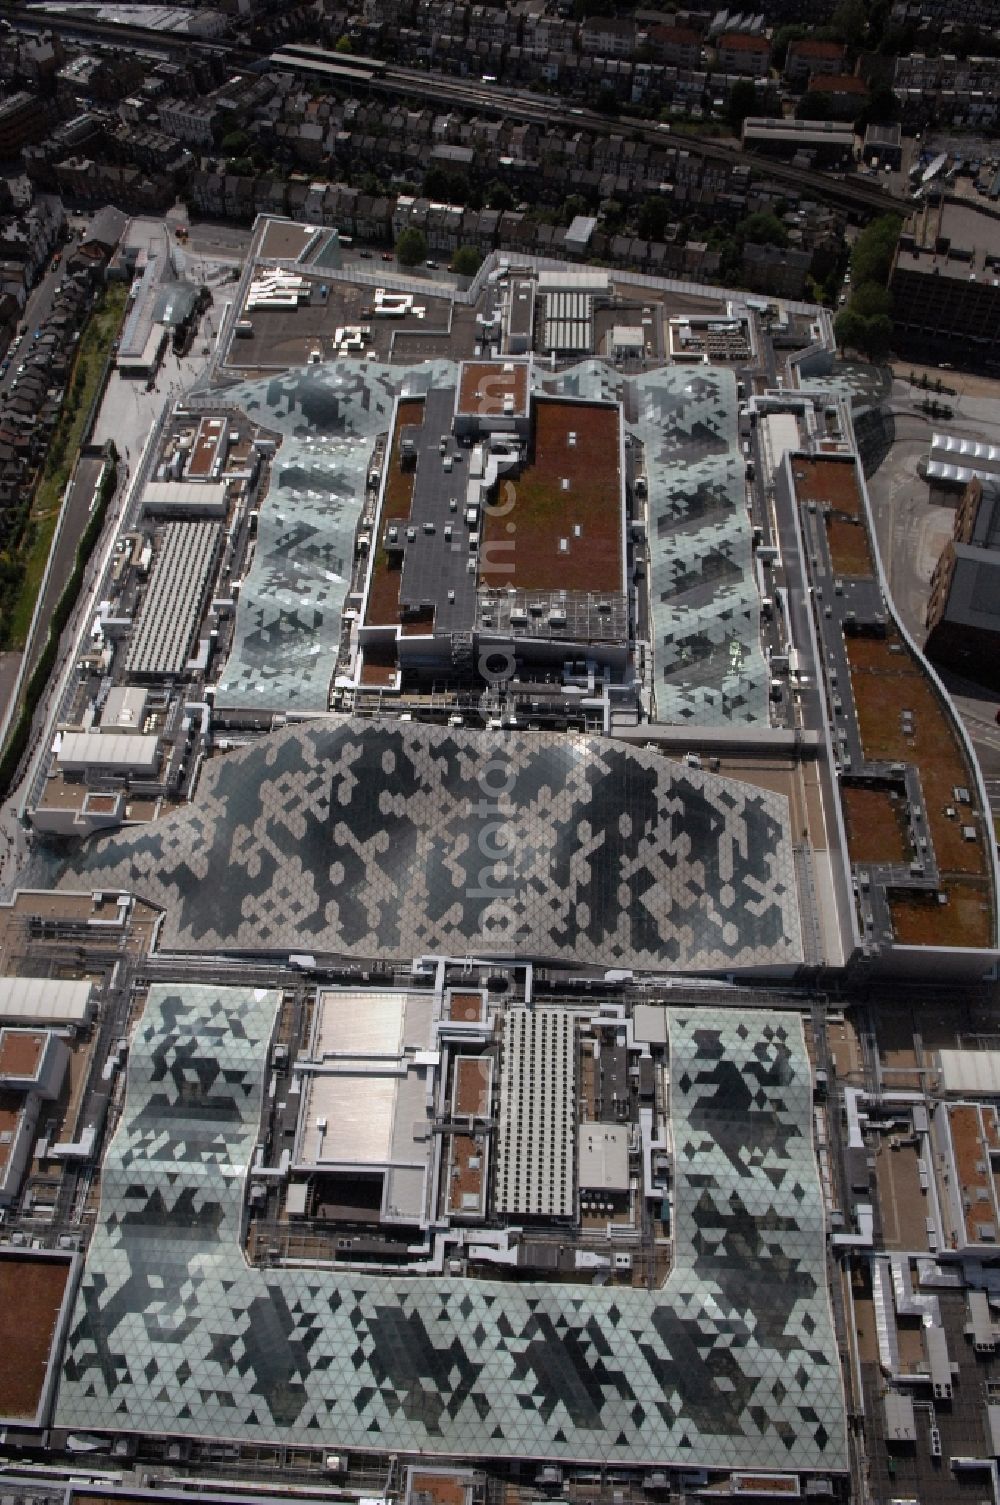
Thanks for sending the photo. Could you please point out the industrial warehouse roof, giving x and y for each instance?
(57, 1001)
(805, 131)
(955, 459)
(119, 750)
(363, 838)
(170, 610)
(198, 498)
(708, 669)
(731, 1364)
(974, 1073)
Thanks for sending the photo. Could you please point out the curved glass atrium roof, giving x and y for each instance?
(731, 1364)
(708, 668)
(368, 838)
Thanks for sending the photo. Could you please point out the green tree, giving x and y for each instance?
(763, 229)
(447, 187)
(466, 261)
(871, 301)
(826, 268)
(235, 143)
(612, 213)
(730, 257)
(877, 337)
(849, 330)
(970, 41)
(573, 205)
(881, 109)
(411, 247)
(871, 258)
(813, 106)
(849, 22)
(343, 44)
(782, 37)
(653, 218)
(499, 196)
(742, 102)
(879, 12)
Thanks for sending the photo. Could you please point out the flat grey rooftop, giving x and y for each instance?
(432, 564)
(973, 241)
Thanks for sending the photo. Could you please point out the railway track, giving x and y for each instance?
(366, 74)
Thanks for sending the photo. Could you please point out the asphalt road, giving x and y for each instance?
(10, 667)
(978, 708)
(912, 530)
(36, 311)
(77, 508)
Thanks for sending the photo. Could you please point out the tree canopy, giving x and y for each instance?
(466, 261)
(762, 229)
(871, 258)
(849, 22)
(235, 143)
(871, 300)
(411, 247)
(866, 323)
(742, 102)
(499, 196)
(654, 217)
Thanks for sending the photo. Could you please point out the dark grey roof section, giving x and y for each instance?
(434, 565)
(582, 616)
(107, 227)
(522, 308)
(883, 135)
(375, 838)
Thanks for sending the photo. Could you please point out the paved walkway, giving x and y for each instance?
(78, 506)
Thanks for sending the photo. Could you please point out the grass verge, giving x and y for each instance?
(20, 734)
(93, 349)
